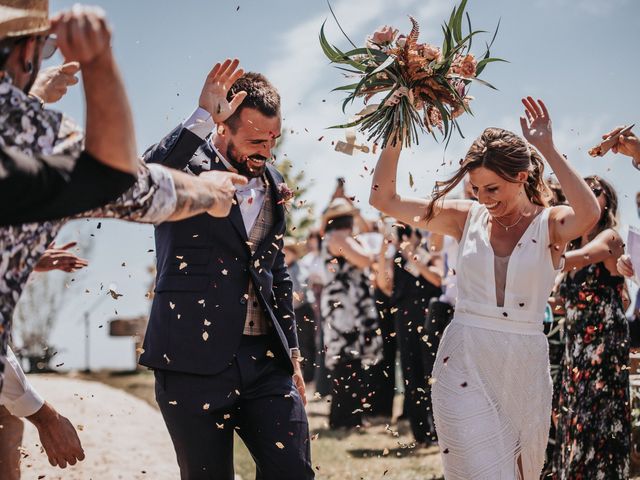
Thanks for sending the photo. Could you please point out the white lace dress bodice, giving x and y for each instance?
(492, 389)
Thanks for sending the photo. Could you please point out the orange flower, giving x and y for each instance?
(468, 66)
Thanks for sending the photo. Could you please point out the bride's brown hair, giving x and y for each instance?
(504, 153)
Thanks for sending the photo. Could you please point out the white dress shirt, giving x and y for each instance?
(250, 196)
(18, 395)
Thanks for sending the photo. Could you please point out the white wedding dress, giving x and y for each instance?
(492, 388)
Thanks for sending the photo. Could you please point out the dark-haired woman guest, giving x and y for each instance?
(594, 424)
(350, 316)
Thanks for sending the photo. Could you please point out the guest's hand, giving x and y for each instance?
(51, 83)
(298, 379)
(57, 436)
(536, 128)
(624, 266)
(213, 97)
(83, 34)
(222, 188)
(628, 144)
(55, 258)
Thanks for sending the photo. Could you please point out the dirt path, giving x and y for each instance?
(123, 437)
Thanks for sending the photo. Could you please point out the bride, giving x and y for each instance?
(492, 389)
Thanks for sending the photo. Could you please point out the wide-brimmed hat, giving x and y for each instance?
(23, 17)
(339, 207)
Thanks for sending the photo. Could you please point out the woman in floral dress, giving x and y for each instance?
(594, 424)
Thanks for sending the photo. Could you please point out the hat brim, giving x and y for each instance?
(18, 22)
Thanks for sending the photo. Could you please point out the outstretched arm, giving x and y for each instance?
(57, 435)
(449, 217)
(628, 144)
(84, 36)
(607, 246)
(177, 148)
(341, 244)
(60, 258)
(583, 211)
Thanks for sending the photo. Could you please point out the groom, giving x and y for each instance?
(222, 333)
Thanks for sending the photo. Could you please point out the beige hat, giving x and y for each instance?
(23, 17)
(338, 207)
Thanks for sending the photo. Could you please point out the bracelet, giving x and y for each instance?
(36, 97)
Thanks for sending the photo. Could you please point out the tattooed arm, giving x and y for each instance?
(162, 194)
(210, 192)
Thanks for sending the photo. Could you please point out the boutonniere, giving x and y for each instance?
(285, 195)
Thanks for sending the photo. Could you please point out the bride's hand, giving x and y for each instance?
(536, 128)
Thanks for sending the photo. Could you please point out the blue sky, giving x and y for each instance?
(580, 56)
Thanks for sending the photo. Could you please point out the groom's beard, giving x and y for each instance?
(244, 163)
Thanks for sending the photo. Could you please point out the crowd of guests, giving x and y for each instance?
(375, 296)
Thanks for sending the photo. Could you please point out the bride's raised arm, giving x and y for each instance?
(448, 217)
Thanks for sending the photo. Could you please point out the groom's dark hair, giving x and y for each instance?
(261, 95)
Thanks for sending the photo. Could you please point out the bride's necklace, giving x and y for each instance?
(507, 227)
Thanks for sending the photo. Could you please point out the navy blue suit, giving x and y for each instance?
(210, 378)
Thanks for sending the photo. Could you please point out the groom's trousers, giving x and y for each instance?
(254, 397)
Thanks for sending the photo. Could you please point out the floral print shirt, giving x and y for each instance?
(28, 129)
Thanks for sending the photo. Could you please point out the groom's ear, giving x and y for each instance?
(221, 129)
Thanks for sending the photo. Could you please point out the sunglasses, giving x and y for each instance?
(50, 46)
(597, 191)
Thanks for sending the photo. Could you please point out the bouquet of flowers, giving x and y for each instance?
(425, 86)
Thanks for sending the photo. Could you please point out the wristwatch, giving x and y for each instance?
(294, 353)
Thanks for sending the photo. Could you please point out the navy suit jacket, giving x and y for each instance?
(204, 266)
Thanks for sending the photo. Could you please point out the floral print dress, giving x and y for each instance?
(594, 423)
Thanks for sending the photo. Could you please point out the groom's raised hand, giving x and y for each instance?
(213, 97)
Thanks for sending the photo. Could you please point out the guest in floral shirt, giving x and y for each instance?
(48, 170)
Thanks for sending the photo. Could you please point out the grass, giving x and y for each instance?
(378, 452)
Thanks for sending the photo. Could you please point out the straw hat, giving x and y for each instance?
(339, 207)
(23, 17)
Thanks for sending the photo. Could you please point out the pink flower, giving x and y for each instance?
(285, 194)
(383, 35)
(401, 41)
(431, 52)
